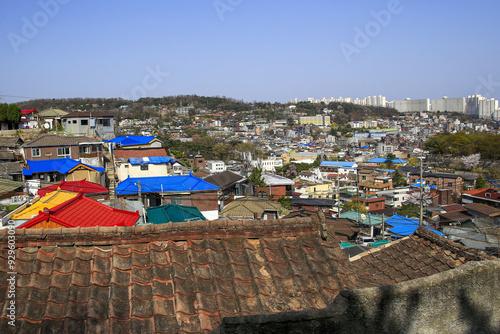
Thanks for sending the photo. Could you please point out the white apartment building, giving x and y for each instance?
(394, 197)
(450, 105)
(409, 105)
(267, 165)
(488, 109)
(215, 166)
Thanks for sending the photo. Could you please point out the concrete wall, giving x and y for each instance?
(464, 300)
(125, 169)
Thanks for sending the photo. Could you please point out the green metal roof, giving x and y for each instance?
(7, 186)
(173, 213)
(380, 243)
(370, 220)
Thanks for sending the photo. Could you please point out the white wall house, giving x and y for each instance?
(215, 166)
(145, 167)
(394, 197)
(268, 165)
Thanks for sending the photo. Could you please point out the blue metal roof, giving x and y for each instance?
(342, 164)
(62, 166)
(384, 161)
(163, 183)
(150, 160)
(406, 226)
(133, 140)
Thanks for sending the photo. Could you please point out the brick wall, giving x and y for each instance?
(51, 153)
(205, 201)
(276, 191)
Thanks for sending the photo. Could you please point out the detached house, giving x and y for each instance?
(48, 147)
(85, 123)
(185, 190)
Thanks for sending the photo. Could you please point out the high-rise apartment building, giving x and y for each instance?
(449, 105)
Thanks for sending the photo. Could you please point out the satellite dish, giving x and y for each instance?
(363, 217)
(46, 125)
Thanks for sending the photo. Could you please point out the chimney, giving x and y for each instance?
(255, 216)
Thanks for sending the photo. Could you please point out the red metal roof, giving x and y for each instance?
(84, 212)
(82, 186)
(27, 111)
(131, 153)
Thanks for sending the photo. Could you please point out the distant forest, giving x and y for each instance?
(463, 144)
(342, 112)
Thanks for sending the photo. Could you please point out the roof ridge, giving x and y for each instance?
(196, 230)
(467, 252)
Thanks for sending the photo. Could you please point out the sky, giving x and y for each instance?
(254, 50)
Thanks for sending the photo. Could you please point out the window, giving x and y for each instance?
(144, 167)
(450, 184)
(62, 151)
(262, 194)
(104, 121)
(434, 183)
(96, 148)
(74, 121)
(84, 149)
(126, 166)
(35, 152)
(84, 122)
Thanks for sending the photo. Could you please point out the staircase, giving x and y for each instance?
(110, 174)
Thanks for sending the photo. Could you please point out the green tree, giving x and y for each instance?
(391, 156)
(408, 210)
(481, 182)
(286, 202)
(355, 205)
(13, 113)
(256, 177)
(4, 107)
(398, 179)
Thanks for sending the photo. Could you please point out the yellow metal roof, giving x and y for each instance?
(49, 201)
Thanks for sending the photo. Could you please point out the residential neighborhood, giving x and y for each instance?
(242, 202)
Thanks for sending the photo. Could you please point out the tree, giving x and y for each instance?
(3, 112)
(13, 113)
(414, 198)
(256, 177)
(355, 205)
(471, 161)
(290, 122)
(391, 156)
(286, 202)
(408, 210)
(398, 179)
(481, 182)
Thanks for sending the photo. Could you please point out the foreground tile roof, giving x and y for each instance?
(169, 278)
(422, 254)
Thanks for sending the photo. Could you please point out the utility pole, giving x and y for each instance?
(338, 189)
(421, 191)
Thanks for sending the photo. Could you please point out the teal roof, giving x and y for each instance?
(173, 213)
(370, 219)
(380, 243)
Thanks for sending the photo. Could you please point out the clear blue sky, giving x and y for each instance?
(249, 49)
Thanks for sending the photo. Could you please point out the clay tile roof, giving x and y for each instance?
(143, 152)
(54, 140)
(421, 254)
(483, 209)
(185, 281)
(223, 179)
